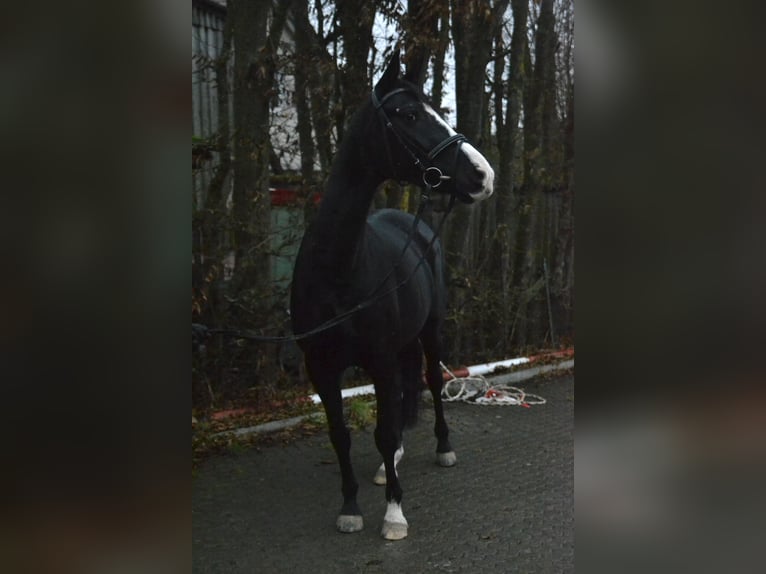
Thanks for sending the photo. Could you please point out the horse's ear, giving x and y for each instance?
(390, 75)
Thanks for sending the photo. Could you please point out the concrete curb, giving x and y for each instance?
(269, 427)
(517, 376)
(506, 378)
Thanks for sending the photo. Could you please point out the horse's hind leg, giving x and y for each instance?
(445, 456)
(380, 474)
(327, 385)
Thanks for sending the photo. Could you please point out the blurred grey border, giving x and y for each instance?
(95, 243)
(670, 312)
(671, 276)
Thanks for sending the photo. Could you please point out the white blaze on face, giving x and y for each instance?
(473, 155)
(438, 118)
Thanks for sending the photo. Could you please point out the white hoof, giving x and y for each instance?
(394, 530)
(394, 523)
(380, 476)
(446, 458)
(349, 523)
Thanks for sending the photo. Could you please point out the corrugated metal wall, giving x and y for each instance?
(207, 47)
(286, 220)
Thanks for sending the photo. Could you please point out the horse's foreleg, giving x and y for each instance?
(411, 359)
(328, 388)
(388, 438)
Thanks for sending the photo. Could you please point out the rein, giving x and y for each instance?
(432, 178)
(372, 298)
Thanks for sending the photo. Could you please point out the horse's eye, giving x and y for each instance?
(409, 115)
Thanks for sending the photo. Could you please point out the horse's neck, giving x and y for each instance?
(342, 216)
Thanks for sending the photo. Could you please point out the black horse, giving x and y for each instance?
(390, 266)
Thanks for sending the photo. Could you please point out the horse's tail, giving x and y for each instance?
(410, 406)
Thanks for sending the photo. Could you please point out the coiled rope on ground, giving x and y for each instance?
(476, 389)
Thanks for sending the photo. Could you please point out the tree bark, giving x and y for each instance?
(563, 266)
(440, 52)
(318, 68)
(507, 129)
(302, 66)
(421, 35)
(540, 175)
(355, 18)
(473, 27)
(254, 72)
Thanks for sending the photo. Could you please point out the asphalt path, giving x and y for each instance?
(507, 506)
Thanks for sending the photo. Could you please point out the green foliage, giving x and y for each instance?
(361, 413)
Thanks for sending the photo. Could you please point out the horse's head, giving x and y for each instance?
(418, 146)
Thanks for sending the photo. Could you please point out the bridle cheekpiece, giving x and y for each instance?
(432, 175)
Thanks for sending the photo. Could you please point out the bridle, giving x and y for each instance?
(432, 175)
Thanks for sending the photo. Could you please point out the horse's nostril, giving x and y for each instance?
(478, 176)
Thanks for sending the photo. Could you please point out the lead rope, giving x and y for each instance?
(432, 177)
(477, 390)
(345, 315)
(425, 200)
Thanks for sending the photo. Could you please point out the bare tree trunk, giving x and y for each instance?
(318, 68)
(540, 175)
(302, 66)
(473, 28)
(440, 51)
(507, 137)
(563, 265)
(355, 18)
(254, 72)
(421, 35)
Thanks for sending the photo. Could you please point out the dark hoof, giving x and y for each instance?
(446, 458)
(349, 523)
